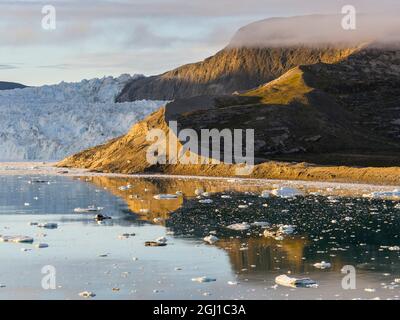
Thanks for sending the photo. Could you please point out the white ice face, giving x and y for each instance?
(51, 122)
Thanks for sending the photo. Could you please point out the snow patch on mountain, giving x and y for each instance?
(54, 121)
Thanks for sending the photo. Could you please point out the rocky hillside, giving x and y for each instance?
(10, 85)
(258, 53)
(343, 113)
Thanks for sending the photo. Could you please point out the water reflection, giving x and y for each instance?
(342, 230)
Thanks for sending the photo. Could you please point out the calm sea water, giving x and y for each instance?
(88, 256)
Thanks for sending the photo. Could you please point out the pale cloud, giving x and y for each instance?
(143, 36)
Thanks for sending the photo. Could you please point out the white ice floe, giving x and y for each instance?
(226, 196)
(16, 239)
(383, 194)
(286, 229)
(162, 240)
(322, 265)
(48, 225)
(286, 192)
(239, 226)
(41, 245)
(203, 279)
(211, 239)
(286, 281)
(88, 209)
(207, 201)
(243, 206)
(87, 294)
(233, 283)
(52, 121)
(165, 196)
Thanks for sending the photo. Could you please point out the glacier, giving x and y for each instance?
(50, 122)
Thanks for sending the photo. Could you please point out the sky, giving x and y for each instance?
(96, 38)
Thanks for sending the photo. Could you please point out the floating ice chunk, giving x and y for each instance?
(262, 224)
(243, 206)
(88, 209)
(126, 235)
(205, 194)
(211, 239)
(48, 225)
(165, 196)
(286, 229)
(162, 240)
(226, 196)
(205, 201)
(265, 194)
(203, 279)
(286, 192)
(348, 218)
(87, 294)
(322, 265)
(233, 283)
(286, 281)
(239, 226)
(16, 239)
(394, 248)
(383, 194)
(397, 206)
(41, 245)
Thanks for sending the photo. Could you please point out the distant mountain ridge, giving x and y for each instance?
(262, 51)
(10, 85)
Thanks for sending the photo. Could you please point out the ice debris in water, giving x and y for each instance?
(88, 209)
(211, 239)
(165, 196)
(322, 265)
(239, 226)
(48, 225)
(262, 224)
(383, 194)
(203, 279)
(162, 240)
(286, 281)
(280, 232)
(41, 245)
(16, 239)
(286, 192)
(87, 294)
(205, 201)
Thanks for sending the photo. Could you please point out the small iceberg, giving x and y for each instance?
(87, 294)
(239, 226)
(286, 192)
(88, 209)
(322, 265)
(48, 225)
(207, 201)
(211, 239)
(165, 196)
(16, 239)
(203, 279)
(261, 224)
(286, 281)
